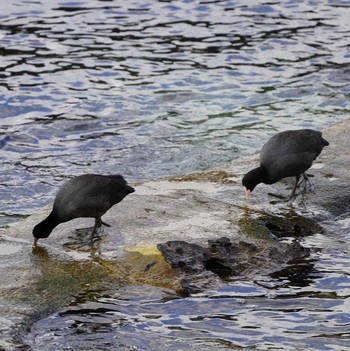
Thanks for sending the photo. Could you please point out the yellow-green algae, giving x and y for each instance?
(264, 225)
(146, 265)
(217, 176)
(59, 281)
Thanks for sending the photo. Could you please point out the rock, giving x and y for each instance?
(189, 259)
(287, 224)
(215, 235)
(203, 267)
(185, 256)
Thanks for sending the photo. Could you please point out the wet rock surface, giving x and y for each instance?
(333, 178)
(215, 234)
(203, 266)
(287, 223)
(330, 179)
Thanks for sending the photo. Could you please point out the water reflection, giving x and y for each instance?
(303, 306)
(150, 89)
(264, 314)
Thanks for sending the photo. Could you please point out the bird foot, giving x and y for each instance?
(105, 224)
(278, 196)
(95, 235)
(88, 235)
(306, 184)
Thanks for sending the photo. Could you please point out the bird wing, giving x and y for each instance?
(286, 155)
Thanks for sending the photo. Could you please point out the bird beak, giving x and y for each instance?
(35, 241)
(247, 193)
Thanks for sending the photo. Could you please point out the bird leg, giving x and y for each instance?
(297, 177)
(306, 181)
(97, 226)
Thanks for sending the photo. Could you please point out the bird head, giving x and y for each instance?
(251, 180)
(41, 231)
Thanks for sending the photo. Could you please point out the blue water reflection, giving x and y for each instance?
(159, 87)
(266, 314)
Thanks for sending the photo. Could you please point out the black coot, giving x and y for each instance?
(286, 154)
(88, 195)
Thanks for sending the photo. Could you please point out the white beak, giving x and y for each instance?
(247, 193)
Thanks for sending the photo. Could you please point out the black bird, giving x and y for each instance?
(88, 195)
(286, 154)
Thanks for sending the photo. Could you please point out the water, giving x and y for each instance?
(151, 89)
(158, 88)
(303, 307)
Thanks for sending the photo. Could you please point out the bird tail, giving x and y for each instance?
(129, 189)
(325, 142)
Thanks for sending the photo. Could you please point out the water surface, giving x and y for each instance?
(303, 307)
(156, 88)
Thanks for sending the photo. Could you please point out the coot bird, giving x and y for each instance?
(88, 195)
(286, 154)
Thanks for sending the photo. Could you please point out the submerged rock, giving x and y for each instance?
(287, 223)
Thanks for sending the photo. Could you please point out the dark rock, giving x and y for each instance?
(203, 267)
(198, 282)
(266, 225)
(291, 224)
(296, 250)
(186, 256)
(190, 259)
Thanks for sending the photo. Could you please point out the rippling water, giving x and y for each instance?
(157, 88)
(303, 307)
